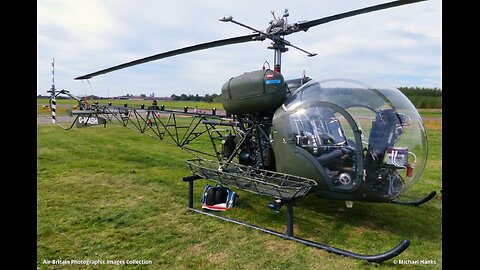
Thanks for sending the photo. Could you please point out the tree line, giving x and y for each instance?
(424, 98)
(421, 91)
(206, 98)
(421, 97)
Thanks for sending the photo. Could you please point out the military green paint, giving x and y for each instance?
(253, 92)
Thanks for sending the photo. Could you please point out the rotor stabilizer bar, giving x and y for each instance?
(230, 19)
(309, 54)
(198, 47)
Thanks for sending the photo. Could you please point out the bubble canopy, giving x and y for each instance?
(392, 134)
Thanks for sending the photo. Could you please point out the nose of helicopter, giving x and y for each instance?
(381, 129)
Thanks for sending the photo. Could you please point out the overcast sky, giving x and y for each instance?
(401, 46)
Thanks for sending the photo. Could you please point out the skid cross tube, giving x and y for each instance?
(402, 246)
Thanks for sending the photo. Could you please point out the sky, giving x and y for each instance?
(400, 46)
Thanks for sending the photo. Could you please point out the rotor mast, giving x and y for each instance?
(277, 58)
(276, 31)
(278, 44)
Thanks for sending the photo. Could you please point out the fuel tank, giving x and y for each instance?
(253, 92)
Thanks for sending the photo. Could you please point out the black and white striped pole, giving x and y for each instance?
(54, 101)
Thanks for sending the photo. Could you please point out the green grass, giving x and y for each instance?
(114, 194)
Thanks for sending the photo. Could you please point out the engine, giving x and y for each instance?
(255, 92)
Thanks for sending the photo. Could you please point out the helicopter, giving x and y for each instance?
(340, 139)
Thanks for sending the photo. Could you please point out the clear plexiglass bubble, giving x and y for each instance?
(391, 127)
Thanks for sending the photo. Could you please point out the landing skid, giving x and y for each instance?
(289, 234)
(417, 202)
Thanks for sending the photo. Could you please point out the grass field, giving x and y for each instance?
(115, 194)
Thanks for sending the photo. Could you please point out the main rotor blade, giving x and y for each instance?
(202, 46)
(306, 25)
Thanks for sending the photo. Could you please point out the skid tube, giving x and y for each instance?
(402, 246)
(417, 202)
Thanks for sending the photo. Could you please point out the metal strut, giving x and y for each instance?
(397, 250)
